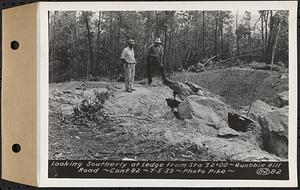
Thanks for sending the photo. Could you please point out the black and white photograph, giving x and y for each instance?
(150, 94)
(174, 85)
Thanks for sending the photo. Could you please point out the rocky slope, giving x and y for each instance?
(98, 120)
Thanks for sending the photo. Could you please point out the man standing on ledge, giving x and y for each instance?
(129, 62)
(155, 59)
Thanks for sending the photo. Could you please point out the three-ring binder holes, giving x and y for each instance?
(16, 148)
(14, 45)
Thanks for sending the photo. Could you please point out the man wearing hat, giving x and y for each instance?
(155, 58)
(128, 59)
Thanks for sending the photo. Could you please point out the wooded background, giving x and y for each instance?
(85, 45)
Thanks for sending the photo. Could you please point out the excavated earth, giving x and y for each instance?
(236, 85)
(141, 126)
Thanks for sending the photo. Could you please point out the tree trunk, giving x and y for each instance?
(110, 66)
(210, 42)
(203, 34)
(106, 62)
(262, 33)
(262, 28)
(237, 38)
(90, 63)
(266, 36)
(222, 43)
(165, 42)
(75, 52)
(216, 33)
(156, 25)
(98, 44)
(180, 58)
(169, 51)
(187, 57)
(119, 69)
(275, 44)
(270, 38)
(196, 42)
(266, 26)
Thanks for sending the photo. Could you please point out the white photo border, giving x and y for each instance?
(43, 89)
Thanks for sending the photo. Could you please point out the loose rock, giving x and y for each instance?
(258, 65)
(227, 132)
(239, 122)
(283, 98)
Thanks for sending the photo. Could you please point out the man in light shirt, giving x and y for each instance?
(128, 59)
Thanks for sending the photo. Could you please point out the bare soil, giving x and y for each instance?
(237, 85)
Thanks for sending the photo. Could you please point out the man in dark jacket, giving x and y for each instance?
(155, 59)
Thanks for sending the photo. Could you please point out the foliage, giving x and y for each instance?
(86, 45)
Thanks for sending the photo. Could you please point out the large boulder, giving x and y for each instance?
(239, 122)
(208, 110)
(275, 131)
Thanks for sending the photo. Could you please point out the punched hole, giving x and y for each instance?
(16, 148)
(14, 45)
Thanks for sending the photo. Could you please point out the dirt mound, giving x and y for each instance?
(236, 85)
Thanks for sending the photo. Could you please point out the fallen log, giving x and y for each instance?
(201, 66)
(184, 89)
(179, 88)
(233, 57)
(211, 58)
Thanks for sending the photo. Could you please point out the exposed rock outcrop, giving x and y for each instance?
(275, 131)
(201, 127)
(225, 149)
(142, 126)
(259, 108)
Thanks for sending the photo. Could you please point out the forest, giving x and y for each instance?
(84, 45)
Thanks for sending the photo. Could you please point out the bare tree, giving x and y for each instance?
(89, 36)
(275, 44)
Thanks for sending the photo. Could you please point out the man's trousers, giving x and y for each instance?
(152, 67)
(129, 75)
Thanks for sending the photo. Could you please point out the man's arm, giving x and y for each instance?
(123, 61)
(123, 55)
